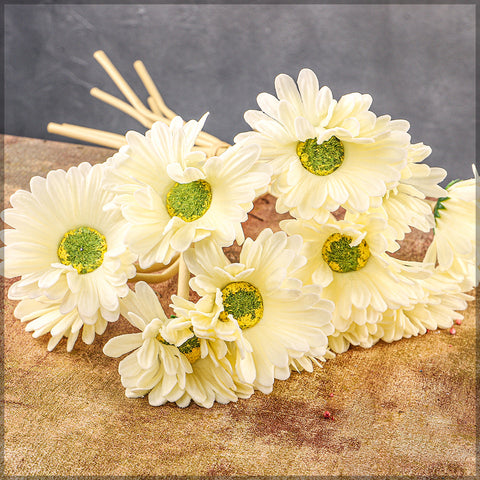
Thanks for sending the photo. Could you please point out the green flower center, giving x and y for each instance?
(189, 201)
(190, 348)
(83, 248)
(341, 257)
(321, 159)
(244, 302)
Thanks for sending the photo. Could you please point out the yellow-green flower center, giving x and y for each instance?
(341, 257)
(189, 201)
(190, 348)
(83, 248)
(244, 302)
(321, 159)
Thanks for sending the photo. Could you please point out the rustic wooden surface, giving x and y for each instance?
(406, 408)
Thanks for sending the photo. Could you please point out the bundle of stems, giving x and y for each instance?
(158, 111)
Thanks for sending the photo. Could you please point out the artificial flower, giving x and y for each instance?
(405, 204)
(325, 153)
(271, 320)
(170, 365)
(172, 196)
(439, 308)
(453, 246)
(67, 249)
(44, 316)
(349, 261)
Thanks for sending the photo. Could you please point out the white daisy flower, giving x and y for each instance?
(438, 309)
(404, 205)
(44, 316)
(170, 365)
(259, 306)
(349, 261)
(453, 247)
(66, 248)
(172, 196)
(325, 153)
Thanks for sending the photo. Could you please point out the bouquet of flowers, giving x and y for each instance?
(168, 202)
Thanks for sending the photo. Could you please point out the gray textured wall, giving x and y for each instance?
(417, 61)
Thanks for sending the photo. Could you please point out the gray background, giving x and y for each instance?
(417, 61)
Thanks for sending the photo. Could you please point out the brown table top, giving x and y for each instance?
(406, 408)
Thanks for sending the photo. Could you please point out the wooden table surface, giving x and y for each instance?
(406, 408)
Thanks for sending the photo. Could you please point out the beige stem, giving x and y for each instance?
(153, 106)
(125, 88)
(153, 90)
(204, 138)
(210, 138)
(183, 290)
(157, 266)
(163, 276)
(87, 135)
(102, 133)
(202, 141)
(145, 117)
(209, 151)
(220, 148)
(121, 105)
(208, 143)
(119, 81)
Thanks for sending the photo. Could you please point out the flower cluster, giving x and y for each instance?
(354, 185)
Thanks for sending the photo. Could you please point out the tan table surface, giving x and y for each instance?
(406, 408)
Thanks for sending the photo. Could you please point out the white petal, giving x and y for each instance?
(118, 346)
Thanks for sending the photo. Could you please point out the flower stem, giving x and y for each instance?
(157, 267)
(162, 276)
(92, 135)
(158, 111)
(183, 290)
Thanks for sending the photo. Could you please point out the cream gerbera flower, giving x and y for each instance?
(325, 153)
(67, 249)
(453, 245)
(173, 196)
(349, 261)
(259, 306)
(44, 316)
(170, 365)
(439, 309)
(404, 205)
